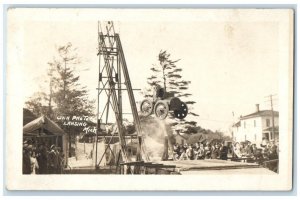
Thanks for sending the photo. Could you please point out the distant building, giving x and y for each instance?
(255, 126)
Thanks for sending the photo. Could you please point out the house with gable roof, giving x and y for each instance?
(256, 126)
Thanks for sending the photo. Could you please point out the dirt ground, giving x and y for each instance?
(86, 154)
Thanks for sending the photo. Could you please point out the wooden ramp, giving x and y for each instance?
(212, 164)
(237, 171)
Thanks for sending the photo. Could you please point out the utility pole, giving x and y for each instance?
(271, 100)
(273, 134)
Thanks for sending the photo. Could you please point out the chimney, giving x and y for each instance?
(257, 107)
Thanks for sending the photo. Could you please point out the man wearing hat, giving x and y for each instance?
(52, 160)
(42, 158)
(273, 154)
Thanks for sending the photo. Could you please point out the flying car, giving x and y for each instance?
(162, 104)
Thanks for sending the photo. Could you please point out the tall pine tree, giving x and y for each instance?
(65, 96)
(66, 93)
(168, 75)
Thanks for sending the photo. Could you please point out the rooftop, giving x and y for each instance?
(237, 124)
(260, 114)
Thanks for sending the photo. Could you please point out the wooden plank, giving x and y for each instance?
(153, 165)
(169, 166)
(132, 163)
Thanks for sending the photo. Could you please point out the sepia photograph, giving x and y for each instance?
(149, 99)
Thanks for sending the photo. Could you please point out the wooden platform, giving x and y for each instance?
(211, 164)
(240, 171)
(184, 167)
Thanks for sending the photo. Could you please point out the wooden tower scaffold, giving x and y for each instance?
(113, 80)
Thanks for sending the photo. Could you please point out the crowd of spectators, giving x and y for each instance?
(41, 159)
(267, 150)
(200, 151)
(239, 151)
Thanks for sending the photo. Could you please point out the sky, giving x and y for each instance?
(232, 64)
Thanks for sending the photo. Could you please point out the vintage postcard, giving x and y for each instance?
(149, 99)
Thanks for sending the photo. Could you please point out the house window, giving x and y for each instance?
(254, 137)
(268, 122)
(254, 123)
(244, 124)
(245, 137)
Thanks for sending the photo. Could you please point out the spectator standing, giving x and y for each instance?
(197, 151)
(181, 150)
(176, 149)
(224, 151)
(242, 149)
(26, 160)
(52, 160)
(253, 150)
(265, 153)
(237, 150)
(277, 145)
(273, 151)
(264, 142)
(59, 160)
(248, 152)
(190, 153)
(215, 153)
(201, 152)
(42, 159)
(183, 155)
(207, 151)
(34, 163)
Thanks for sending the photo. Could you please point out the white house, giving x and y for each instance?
(255, 126)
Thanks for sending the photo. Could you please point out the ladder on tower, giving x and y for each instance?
(114, 70)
